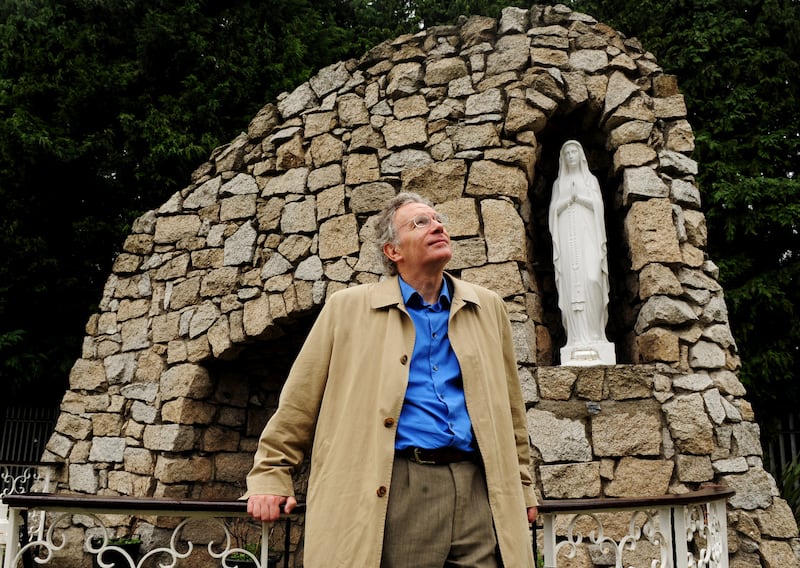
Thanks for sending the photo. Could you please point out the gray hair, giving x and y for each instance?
(384, 228)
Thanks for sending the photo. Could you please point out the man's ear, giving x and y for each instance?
(391, 252)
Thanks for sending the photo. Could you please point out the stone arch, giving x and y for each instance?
(213, 290)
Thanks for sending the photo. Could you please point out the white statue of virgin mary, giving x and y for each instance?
(580, 260)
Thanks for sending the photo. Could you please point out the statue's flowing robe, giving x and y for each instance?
(580, 259)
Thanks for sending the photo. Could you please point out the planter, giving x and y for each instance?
(272, 562)
(114, 557)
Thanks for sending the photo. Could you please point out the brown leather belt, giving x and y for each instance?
(441, 456)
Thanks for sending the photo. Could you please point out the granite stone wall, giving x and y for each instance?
(214, 290)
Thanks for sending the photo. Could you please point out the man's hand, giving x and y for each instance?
(533, 512)
(267, 508)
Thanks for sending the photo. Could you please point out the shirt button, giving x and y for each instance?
(389, 422)
(381, 491)
(404, 359)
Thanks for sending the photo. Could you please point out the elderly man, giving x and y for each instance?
(408, 392)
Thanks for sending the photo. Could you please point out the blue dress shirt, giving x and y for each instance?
(434, 413)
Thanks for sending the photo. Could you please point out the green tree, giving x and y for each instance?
(105, 109)
(737, 63)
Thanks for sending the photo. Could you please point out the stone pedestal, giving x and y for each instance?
(588, 355)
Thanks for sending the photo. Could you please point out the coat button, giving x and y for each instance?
(404, 359)
(381, 491)
(389, 422)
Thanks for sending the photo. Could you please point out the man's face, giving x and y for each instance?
(419, 247)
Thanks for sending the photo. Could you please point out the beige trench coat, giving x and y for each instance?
(344, 394)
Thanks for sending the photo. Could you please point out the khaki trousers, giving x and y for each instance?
(439, 517)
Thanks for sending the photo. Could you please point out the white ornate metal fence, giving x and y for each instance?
(683, 531)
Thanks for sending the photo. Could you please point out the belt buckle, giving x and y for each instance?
(421, 461)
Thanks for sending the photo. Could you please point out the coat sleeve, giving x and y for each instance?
(288, 435)
(517, 405)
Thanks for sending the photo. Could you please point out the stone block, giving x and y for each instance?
(405, 133)
(658, 344)
(642, 183)
(467, 253)
(558, 439)
(229, 466)
(126, 483)
(689, 424)
(406, 79)
(570, 481)
(439, 181)
(291, 154)
(106, 424)
(511, 53)
(591, 384)
(183, 469)
(634, 155)
(187, 411)
(330, 202)
(352, 111)
(240, 247)
(777, 521)
(694, 469)
(361, 168)
(626, 429)
(299, 217)
(662, 310)
(588, 60)
(504, 231)
(629, 132)
(651, 233)
(293, 181)
(186, 380)
(76, 427)
(169, 437)
(203, 195)
(488, 178)
(671, 107)
(338, 237)
(755, 489)
(635, 477)
(505, 278)
(522, 116)
(557, 383)
(110, 449)
(139, 461)
(216, 439)
(83, 478)
(60, 446)
(237, 207)
(87, 375)
(474, 137)
(618, 91)
(657, 279)
(174, 228)
(706, 355)
(462, 215)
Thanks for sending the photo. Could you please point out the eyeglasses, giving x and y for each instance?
(422, 221)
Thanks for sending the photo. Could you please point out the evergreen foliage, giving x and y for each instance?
(738, 64)
(107, 106)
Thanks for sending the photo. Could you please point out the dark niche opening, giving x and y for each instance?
(247, 389)
(560, 128)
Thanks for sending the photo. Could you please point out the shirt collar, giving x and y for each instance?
(412, 298)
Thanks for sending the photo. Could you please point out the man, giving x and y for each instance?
(408, 390)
